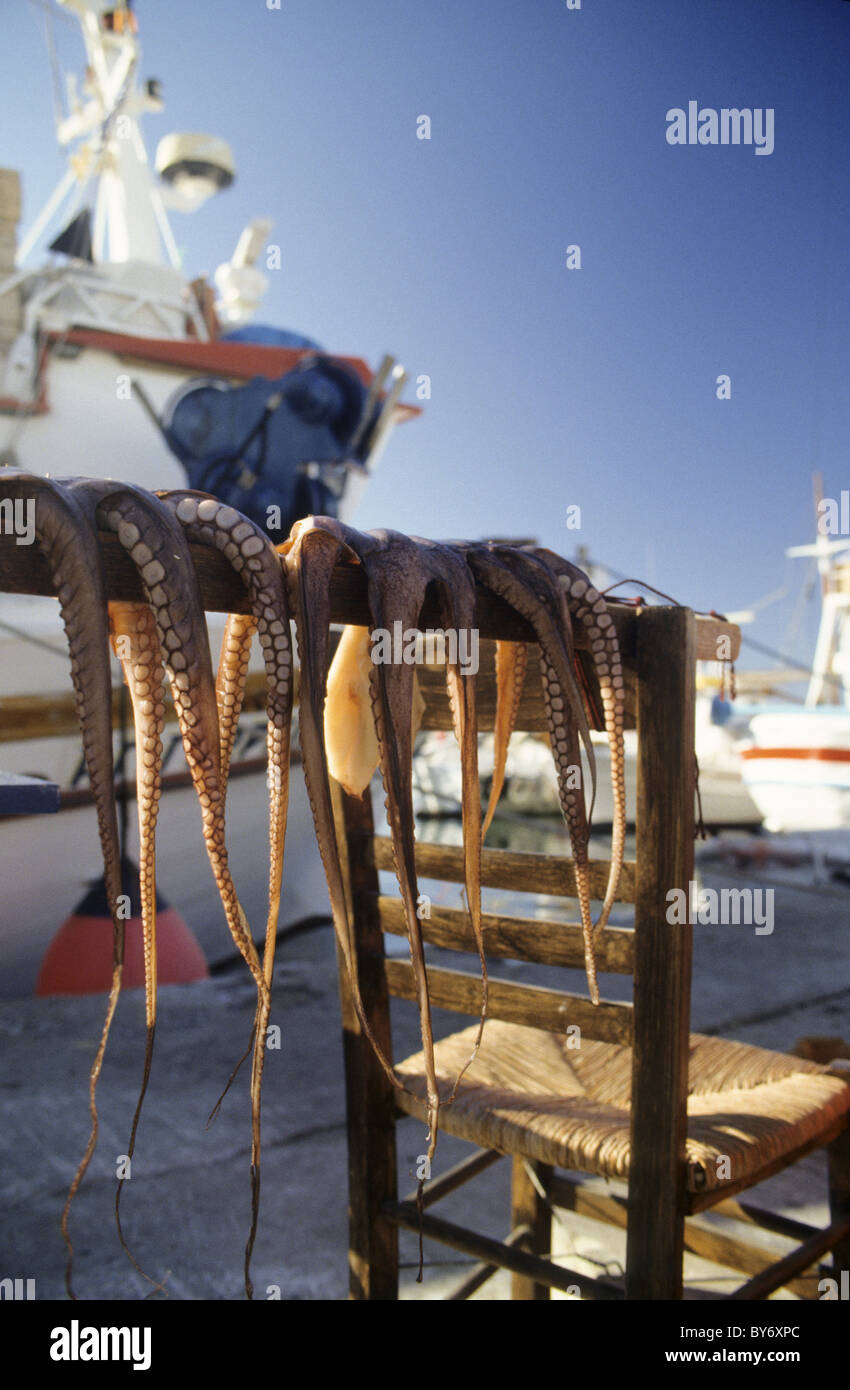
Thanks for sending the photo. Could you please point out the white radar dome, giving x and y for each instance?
(194, 166)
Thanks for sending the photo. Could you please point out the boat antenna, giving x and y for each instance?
(55, 70)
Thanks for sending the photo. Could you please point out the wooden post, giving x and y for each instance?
(839, 1188)
(666, 657)
(529, 1208)
(370, 1106)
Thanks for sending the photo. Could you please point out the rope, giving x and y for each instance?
(786, 660)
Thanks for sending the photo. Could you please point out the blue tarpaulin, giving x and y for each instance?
(269, 443)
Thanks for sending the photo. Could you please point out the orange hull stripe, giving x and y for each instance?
(827, 755)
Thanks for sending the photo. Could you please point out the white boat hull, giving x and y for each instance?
(531, 787)
(95, 426)
(797, 768)
(47, 861)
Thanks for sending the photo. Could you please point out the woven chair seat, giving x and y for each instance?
(527, 1093)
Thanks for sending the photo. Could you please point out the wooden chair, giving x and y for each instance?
(619, 1105)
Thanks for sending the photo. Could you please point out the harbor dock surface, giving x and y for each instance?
(186, 1208)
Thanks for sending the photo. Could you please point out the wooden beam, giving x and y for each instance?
(552, 1010)
(502, 868)
(517, 938)
(23, 570)
(709, 1244)
(369, 1095)
(482, 1272)
(24, 717)
(529, 1207)
(777, 1275)
(496, 1252)
(665, 837)
(453, 1178)
(765, 1220)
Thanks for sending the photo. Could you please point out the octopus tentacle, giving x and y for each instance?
(149, 532)
(136, 644)
(589, 608)
(310, 555)
(239, 630)
(531, 590)
(511, 663)
(398, 572)
(456, 597)
(68, 541)
(252, 556)
(232, 672)
(153, 540)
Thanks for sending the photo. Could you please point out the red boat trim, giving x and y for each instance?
(827, 755)
(13, 405)
(241, 360)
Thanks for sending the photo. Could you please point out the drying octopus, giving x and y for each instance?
(355, 716)
(540, 587)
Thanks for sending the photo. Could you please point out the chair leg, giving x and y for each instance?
(373, 1240)
(370, 1103)
(839, 1195)
(655, 1238)
(528, 1208)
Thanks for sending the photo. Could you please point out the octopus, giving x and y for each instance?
(541, 588)
(357, 714)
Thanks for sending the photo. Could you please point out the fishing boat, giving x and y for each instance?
(109, 353)
(531, 788)
(796, 763)
(114, 362)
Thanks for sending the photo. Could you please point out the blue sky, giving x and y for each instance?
(550, 387)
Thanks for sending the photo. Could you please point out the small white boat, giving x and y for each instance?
(797, 767)
(531, 785)
(797, 761)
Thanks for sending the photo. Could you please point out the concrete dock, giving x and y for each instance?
(185, 1209)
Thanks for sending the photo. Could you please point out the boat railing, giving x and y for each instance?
(79, 298)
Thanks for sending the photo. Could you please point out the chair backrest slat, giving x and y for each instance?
(531, 714)
(517, 938)
(549, 1009)
(501, 868)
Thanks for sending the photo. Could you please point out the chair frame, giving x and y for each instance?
(659, 646)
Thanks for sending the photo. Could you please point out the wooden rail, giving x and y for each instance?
(24, 571)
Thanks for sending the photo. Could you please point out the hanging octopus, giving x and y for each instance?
(166, 637)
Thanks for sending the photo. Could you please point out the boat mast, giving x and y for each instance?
(831, 665)
(106, 147)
